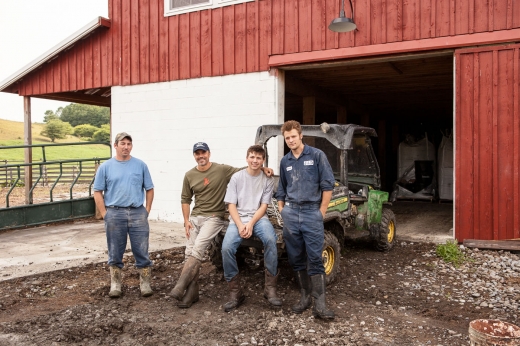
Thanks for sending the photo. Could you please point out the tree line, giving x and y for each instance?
(84, 121)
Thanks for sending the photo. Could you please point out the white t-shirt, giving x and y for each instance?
(248, 193)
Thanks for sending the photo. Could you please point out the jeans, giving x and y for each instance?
(303, 234)
(205, 228)
(120, 222)
(262, 229)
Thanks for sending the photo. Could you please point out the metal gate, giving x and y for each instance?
(50, 174)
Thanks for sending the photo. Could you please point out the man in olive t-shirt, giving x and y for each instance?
(207, 182)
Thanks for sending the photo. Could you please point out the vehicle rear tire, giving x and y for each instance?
(330, 256)
(385, 239)
(215, 251)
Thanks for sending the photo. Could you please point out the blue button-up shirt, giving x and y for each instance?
(303, 179)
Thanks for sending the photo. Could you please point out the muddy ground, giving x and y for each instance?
(370, 297)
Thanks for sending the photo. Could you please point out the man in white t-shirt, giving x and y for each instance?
(248, 194)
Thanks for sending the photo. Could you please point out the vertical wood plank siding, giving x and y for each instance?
(143, 46)
(487, 131)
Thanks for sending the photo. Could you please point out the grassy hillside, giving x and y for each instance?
(11, 133)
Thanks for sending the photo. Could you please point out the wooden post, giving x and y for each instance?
(341, 117)
(381, 135)
(309, 115)
(27, 140)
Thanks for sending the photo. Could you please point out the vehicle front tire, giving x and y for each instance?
(385, 238)
(330, 256)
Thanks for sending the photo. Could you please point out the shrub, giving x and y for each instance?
(451, 253)
(102, 134)
(56, 129)
(85, 130)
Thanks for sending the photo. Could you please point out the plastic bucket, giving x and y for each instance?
(493, 333)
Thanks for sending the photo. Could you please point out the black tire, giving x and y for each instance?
(215, 251)
(330, 256)
(385, 238)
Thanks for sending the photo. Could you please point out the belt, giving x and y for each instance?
(303, 205)
(116, 207)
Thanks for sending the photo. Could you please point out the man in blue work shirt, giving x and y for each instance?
(304, 193)
(119, 192)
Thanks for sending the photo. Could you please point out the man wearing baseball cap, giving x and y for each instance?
(207, 182)
(119, 192)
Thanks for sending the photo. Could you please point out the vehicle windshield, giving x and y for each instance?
(361, 162)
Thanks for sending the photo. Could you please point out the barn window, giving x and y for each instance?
(173, 7)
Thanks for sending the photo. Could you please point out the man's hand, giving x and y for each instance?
(323, 212)
(281, 204)
(103, 213)
(242, 230)
(248, 231)
(187, 227)
(268, 171)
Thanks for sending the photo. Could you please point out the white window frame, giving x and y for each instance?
(199, 7)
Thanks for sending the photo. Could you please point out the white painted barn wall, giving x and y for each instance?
(166, 119)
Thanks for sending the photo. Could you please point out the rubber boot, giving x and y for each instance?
(236, 296)
(305, 289)
(189, 271)
(191, 296)
(115, 282)
(318, 292)
(145, 275)
(270, 289)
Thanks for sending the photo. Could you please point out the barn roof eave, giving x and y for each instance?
(54, 51)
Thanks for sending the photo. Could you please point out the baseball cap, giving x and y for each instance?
(122, 135)
(200, 146)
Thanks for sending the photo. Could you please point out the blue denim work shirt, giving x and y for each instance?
(303, 179)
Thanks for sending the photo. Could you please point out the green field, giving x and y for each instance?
(11, 133)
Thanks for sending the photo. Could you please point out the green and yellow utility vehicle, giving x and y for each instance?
(357, 204)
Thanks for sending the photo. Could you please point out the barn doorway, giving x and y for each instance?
(409, 101)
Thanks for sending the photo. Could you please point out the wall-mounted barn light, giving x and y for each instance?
(342, 23)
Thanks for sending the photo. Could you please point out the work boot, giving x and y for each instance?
(189, 271)
(305, 289)
(318, 292)
(270, 289)
(236, 296)
(115, 282)
(191, 296)
(144, 281)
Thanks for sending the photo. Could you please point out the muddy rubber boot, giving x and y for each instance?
(191, 296)
(145, 275)
(305, 289)
(236, 296)
(115, 282)
(318, 292)
(189, 271)
(270, 289)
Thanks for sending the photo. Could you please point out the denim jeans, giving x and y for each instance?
(262, 229)
(120, 222)
(205, 228)
(303, 234)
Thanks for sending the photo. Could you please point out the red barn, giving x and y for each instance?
(176, 72)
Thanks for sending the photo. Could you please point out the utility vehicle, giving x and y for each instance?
(357, 204)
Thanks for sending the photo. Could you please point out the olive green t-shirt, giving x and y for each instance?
(209, 188)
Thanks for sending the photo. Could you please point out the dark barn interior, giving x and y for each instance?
(396, 96)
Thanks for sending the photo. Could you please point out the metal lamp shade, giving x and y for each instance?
(342, 24)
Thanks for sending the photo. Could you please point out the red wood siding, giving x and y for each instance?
(487, 143)
(143, 46)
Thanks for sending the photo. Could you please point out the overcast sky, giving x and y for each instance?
(29, 28)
